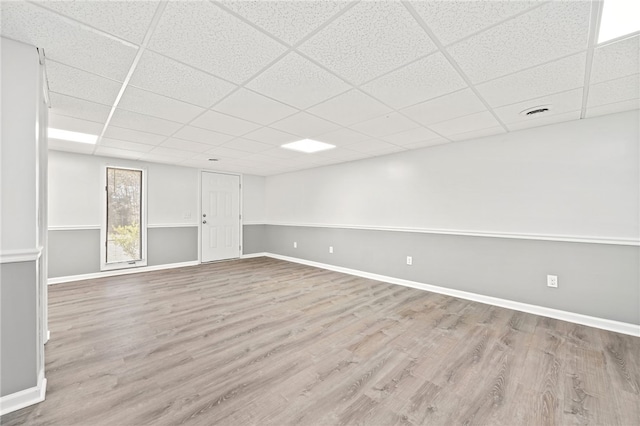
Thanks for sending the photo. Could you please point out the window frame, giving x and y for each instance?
(104, 266)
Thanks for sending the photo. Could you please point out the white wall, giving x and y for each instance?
(18, 199)
(253, 201)
(578, 179)
(75, 183)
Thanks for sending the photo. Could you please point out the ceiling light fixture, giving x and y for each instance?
(66, 135)
(536, 110)
(619, 18)
(308, 146)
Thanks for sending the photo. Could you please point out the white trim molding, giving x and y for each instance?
(252, 255)
(18, 400)
(22, 255)
(173, 225)
(73, 227)
(605, 324)
(490, 234)
(115, 272)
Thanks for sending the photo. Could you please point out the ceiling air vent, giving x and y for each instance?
(536, 110)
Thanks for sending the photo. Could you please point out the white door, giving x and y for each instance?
(220, 216)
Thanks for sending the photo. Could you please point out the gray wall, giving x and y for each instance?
(77, 252)
(253, 239)
(74, 252)
(172, 245)
(18, 326)
(594, 279)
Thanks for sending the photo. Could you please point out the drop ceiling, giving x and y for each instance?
(183, 82)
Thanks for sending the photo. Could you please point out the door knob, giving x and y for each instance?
(204, 221)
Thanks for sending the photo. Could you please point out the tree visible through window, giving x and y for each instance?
(124, 215)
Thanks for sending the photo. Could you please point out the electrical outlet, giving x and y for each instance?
(330, 249)
(409, 260)
(295, 244)
(552, 281)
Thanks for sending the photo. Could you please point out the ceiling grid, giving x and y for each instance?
(182, 82)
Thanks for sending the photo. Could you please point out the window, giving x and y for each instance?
(124, 227)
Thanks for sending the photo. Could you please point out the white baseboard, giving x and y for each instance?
(59, 280)
(24, 398)
(251, 255)
(605, 324)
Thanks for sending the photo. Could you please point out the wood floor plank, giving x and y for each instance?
(266, 342)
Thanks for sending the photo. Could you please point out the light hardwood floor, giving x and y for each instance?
(266, 342)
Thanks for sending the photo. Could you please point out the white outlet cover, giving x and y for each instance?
(409, 260)
(330, 249)
(295, 244)
(552, 281)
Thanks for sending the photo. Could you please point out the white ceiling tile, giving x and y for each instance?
(226, 152)
(385, 125)
(223, 123)
(372, 145)
(126, 19)
(558, 103)
(81, 84)
(67, 146)
(621, 89)
(133, 136)
(349, 108)
(184, 145)
(142, 122)
(613, 108)
(342, 136)
(282, 153)
(165, 76)
(117, 153)
(65, 42)
(197, 134)
(74, 124)
(445, 107)
(368, 40)
(543, 34)
(425, 144)
(141, 101)
(468, 123)
(78, 108)
(419, 81)
(544, 120)
(170, 152)
(125, 145)
(305, 125)
(412, 136)
(247, 145)
(271, 136)
(617, 59)
(341, 154)
(453, 20)
(158, 158)
(298, 82)
(289, 21)
(476, 134)
(253, 107)
(557, 76)
(235, 50)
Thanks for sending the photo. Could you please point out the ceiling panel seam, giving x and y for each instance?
(152, 26)
(453, 63)
(594, 27)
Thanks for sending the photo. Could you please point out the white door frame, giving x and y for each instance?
(240, 199)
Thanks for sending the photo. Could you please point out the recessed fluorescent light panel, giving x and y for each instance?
(619, 18)
(66, 135)
(309, 146)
